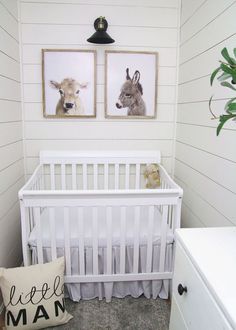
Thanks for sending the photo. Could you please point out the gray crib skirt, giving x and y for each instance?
(86, 291)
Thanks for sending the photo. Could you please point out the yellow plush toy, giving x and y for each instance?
(152, 176)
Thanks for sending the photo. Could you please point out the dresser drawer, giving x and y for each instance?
(197, 305)
(177, 321)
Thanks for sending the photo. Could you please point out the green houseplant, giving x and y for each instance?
(226, 75)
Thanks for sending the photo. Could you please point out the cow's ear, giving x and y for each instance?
(55, 84)
(83, 85)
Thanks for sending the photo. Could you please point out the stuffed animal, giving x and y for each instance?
(152, 176)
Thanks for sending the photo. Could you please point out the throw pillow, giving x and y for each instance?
(34, 296)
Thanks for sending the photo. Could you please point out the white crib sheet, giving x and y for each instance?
(88, 231)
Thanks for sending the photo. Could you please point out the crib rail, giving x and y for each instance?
(167, 205)
(107, 176)
(82, 192)
(94, 156)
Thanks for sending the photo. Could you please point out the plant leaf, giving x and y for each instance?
(229, 102)
(232, 107)
(229, 70)
(234, 52)
(223, 120)
(224, 76)
(226, 68)
(214, 73)
(227, 84)
(225, 54)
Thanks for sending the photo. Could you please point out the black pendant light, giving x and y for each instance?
(100, 36)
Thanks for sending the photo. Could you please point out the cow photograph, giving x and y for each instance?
(130, 84)
(69, 83)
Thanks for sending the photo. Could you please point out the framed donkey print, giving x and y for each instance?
(69, 83)
(130, 84)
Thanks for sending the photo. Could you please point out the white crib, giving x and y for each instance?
(93, 208)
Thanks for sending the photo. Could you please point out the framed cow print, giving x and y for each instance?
(69, 83)
(130, 84)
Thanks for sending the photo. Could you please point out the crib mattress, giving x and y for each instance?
(101, 229)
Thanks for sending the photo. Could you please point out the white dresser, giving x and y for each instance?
(204, 282)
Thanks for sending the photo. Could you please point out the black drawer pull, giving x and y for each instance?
(182, 289)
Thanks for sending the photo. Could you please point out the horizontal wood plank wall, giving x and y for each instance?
(11, 150)
(136, 26)
(205, 165)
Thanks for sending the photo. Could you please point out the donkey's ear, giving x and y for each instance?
(136, 77)
(127, 74)
(54, 84)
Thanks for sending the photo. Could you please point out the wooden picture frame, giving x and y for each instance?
(131, 84)
(69, 83)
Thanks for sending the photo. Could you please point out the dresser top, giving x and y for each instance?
(213, 253)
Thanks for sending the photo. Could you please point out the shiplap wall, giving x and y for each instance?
(11, 151)
(135, 25)
(205, 165)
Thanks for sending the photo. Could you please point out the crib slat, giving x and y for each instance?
(95, 176)
(150, 238)
(163, 238)
(95, 240)
(117, 176)
(137, 176)
(67, 240)
(26, 227)
(73, 176)
(85, 179)
(42, 178)
(126, 176)
(52, 233)
(63, 176)
(136, 238)
(81, 239)
(52, 176)
(38, 235)
(106, 174)
(109, 239)
(177, 215)
(122, 239)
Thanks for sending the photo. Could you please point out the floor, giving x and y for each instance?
(120, 314)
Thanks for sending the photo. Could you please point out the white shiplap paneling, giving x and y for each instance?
(135, 25)
(9, 23)
(10, 111)
(209, 190)
(32, 53)
(11, 150)
(219, 29)
(76, 35)
(10, 224)
(197, 212)
(189, 8)
(205, 164)
(9, 45)
(204, 16)
(124, 3)
(204, 63)
(71, 14)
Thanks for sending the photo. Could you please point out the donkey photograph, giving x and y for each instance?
(131, 95)
(130, 84)
(69, 102)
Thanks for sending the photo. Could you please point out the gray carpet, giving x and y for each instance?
(120, 314)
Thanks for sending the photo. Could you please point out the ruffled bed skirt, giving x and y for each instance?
(86, 291)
